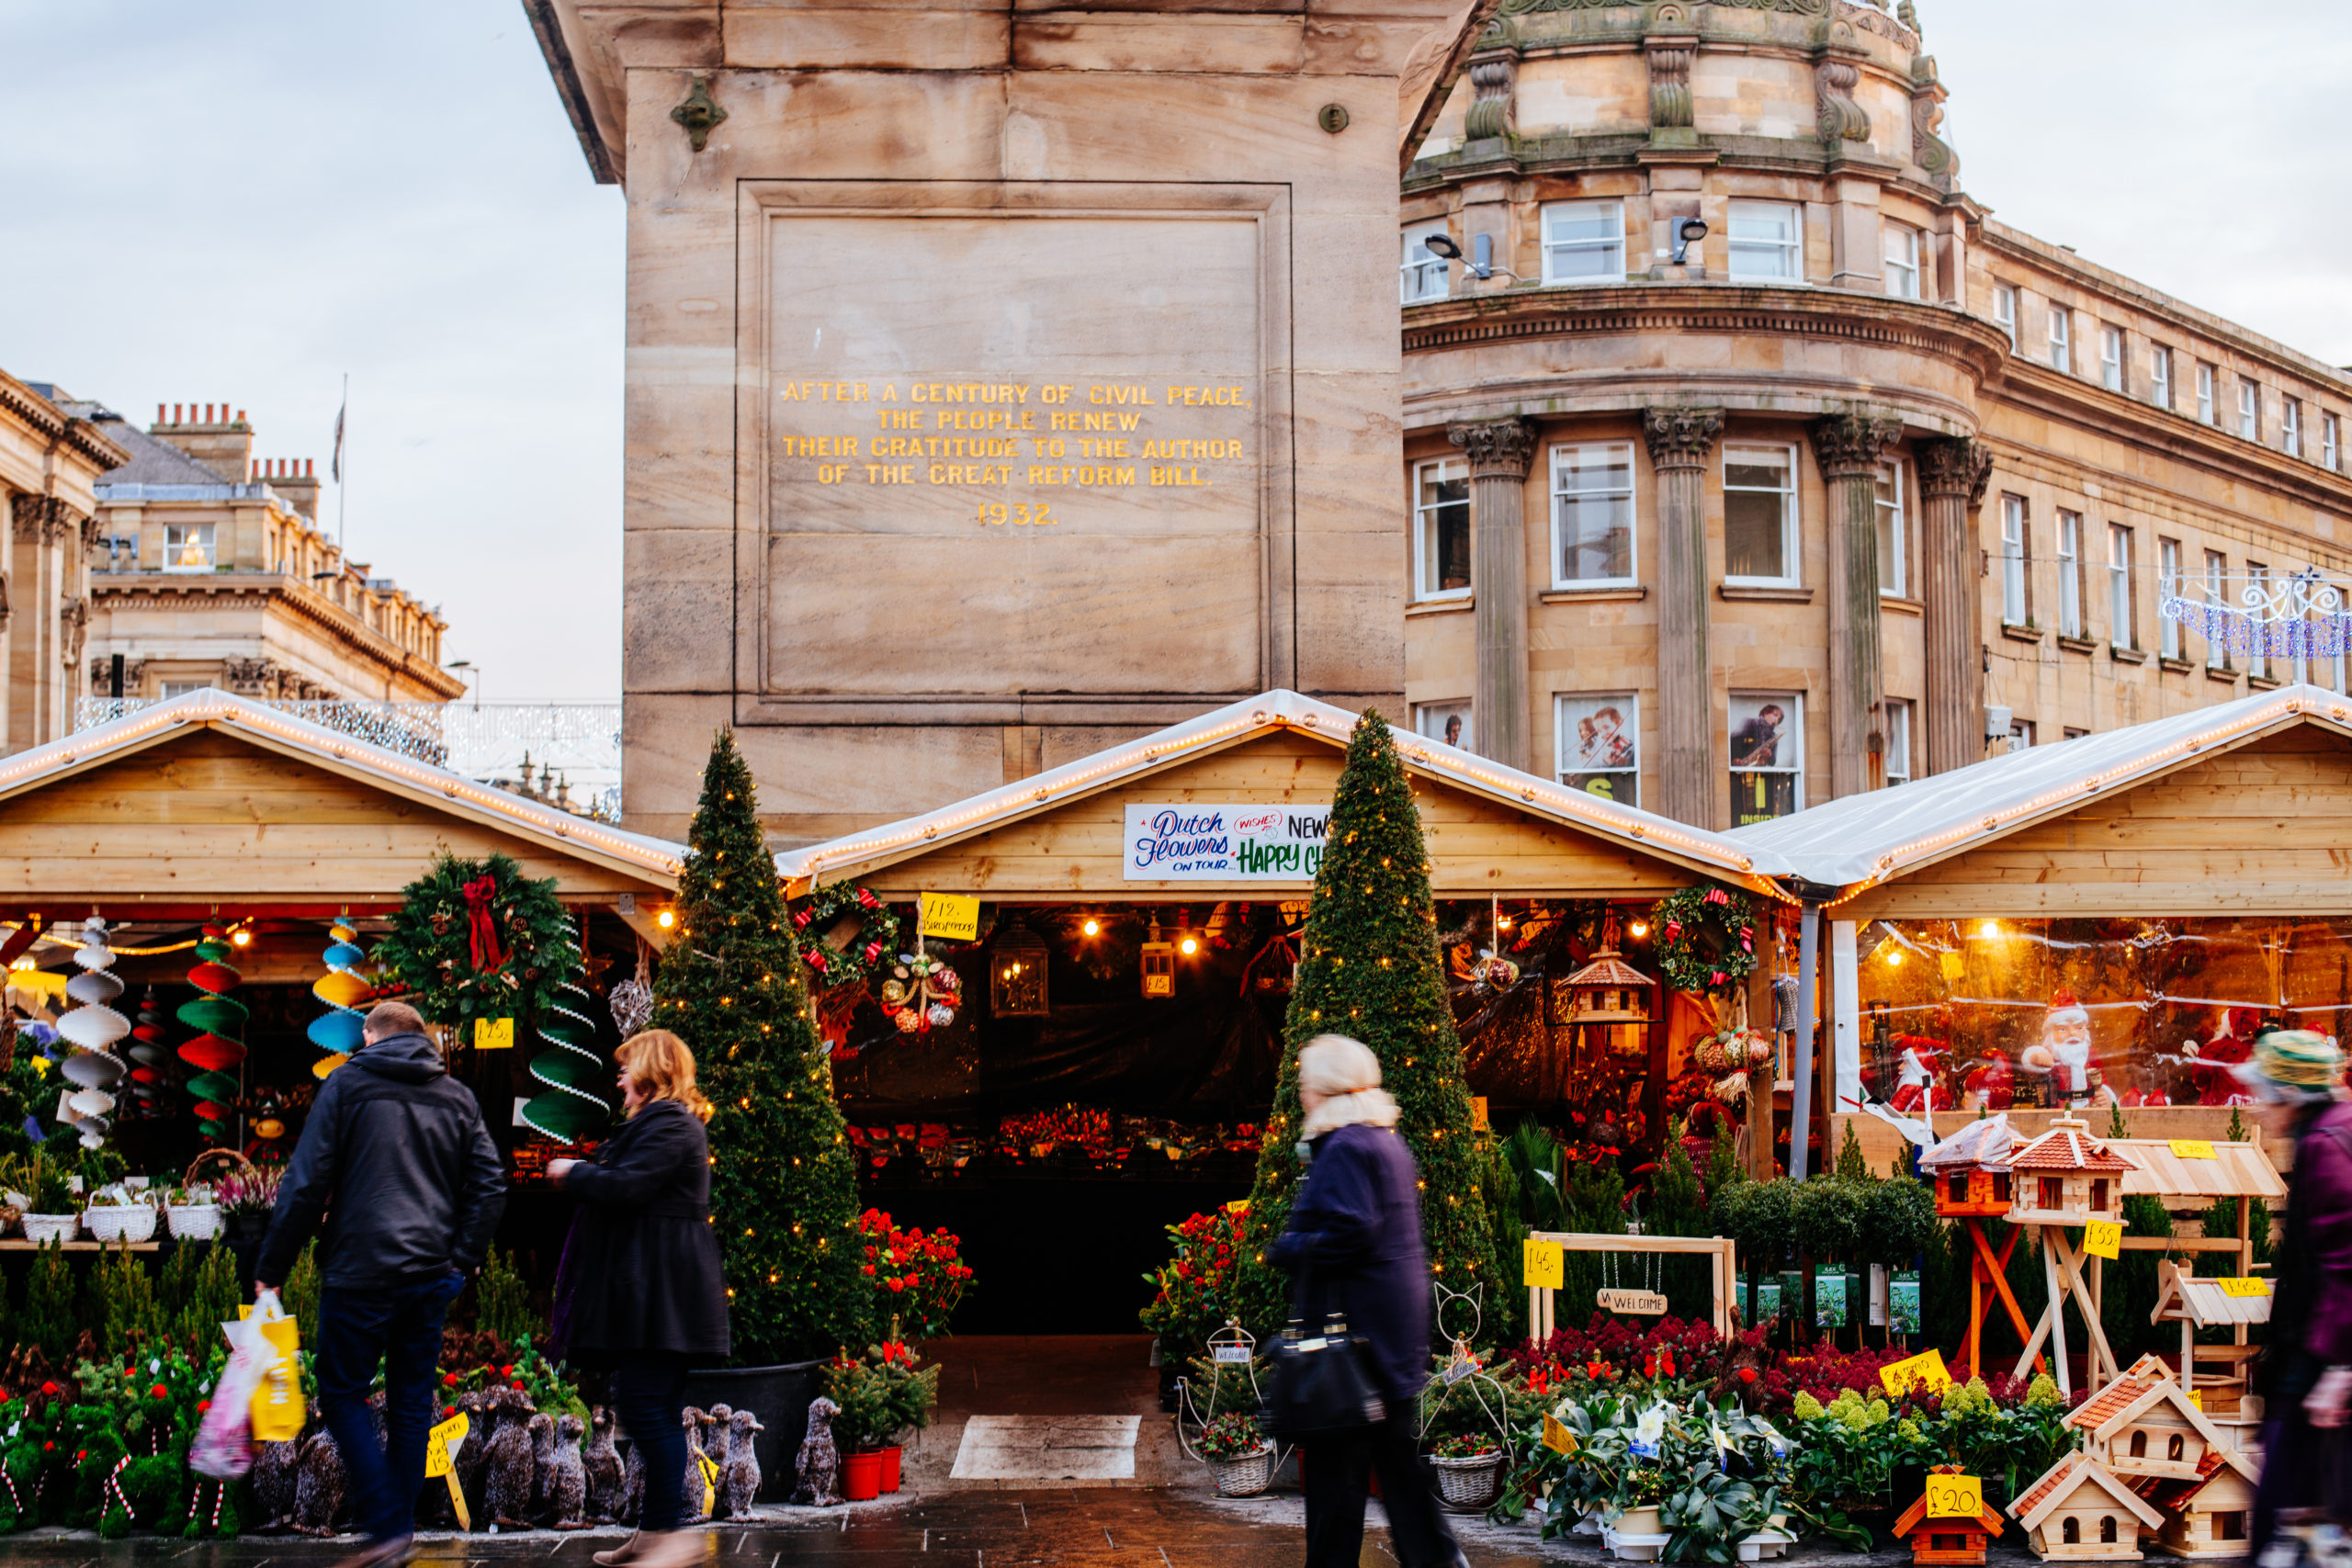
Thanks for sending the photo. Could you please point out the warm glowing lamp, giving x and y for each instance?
(1990, 927)
(1189, 945)
(242, 937)
(1639, 929)
(1093, 927)
(666, 919)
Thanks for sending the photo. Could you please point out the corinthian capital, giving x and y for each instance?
(1498, 448)
(1854, 441)
(1680, 437)
(1954, 466)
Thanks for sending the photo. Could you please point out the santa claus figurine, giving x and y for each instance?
(2064, 1054)
(2210, 1064)
(1991, 1085)
(1917, 1085)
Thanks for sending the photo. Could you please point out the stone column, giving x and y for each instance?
(1689, 784)
(1850, 446)
(1499, 451)
(38, 525)
(1953, 475)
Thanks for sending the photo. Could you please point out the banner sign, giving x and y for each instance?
(1198, 842)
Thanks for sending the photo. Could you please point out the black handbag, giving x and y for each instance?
(1321, 1388)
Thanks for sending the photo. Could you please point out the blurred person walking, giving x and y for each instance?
(1354, 1245)
(394, 1157)
(640, 1289)
(2305, 1373)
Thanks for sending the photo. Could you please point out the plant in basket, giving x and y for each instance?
(1466, 1445)
(1232, 1436)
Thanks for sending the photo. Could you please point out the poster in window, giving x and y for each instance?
(1601, 746)
(1448, 722)
(1767, 756)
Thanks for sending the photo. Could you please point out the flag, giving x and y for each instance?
(335, 464)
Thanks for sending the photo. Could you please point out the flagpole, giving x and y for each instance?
(342, 490)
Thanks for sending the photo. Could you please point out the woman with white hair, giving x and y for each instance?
(1355, 1247)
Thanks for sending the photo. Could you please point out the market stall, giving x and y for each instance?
(236, 867)
(1094, 1037)
(2104, 923)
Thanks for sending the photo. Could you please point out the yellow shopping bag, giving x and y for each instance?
(277, 1409)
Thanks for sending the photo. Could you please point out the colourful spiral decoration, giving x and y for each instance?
(572, 1069)
(92, 1028)
(338, 1031)
(219, 1023)
(151, 1048)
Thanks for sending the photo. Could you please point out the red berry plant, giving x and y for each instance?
(1195, 1289)
(918, 1281)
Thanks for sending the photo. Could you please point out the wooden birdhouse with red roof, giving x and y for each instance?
(2079, 1511)
(2066, 1178)
(2145, 1424)
(2210, 1515)
(1970, 1171)
(1958, 1541)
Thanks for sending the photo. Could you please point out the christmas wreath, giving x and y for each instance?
(1706, 938)
(846, 934)
(477, 939)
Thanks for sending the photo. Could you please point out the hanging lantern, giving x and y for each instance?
(220, 1045)
(1017, 974)
(1159, 965)
(338, 1030)
(572, 1069)
(92, 1028)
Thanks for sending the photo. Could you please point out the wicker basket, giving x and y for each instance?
(194, 1221)
(1469, 1485)
(1247, 1475)
(51, 1227)
(121, 1222)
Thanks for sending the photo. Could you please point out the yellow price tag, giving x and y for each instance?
(1925, 1371)
(2103, 1238)
(1557, 1438)
(951, 916)
(1542, 1264)
(710, 1480)
(1955, 1496)
(494, 1035)
(2243, 1287)
(2192, 1148)
(442, 1443)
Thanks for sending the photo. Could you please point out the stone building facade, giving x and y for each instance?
(209, 570)
(50, 462)
(1725, 523)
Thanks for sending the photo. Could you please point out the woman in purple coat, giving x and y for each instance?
(1354, 1245)
(2306, 1374)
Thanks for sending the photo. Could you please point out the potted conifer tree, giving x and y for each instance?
(783, 1188)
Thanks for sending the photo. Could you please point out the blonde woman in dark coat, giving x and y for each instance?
(640, 1289)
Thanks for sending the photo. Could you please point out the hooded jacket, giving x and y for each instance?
(396, 1160)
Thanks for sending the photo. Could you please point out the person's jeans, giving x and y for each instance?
(401, 1325)
(1339, 1480)
(650, 1396)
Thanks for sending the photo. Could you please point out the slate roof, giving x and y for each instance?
(153, 461)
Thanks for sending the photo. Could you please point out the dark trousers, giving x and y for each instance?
(1339, 1480)
(650, 1396)
(400, 1324)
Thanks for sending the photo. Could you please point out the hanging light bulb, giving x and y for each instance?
(1895, 958)
(1189, 945)
(666, 919)
(1639, 928)
(1990, 927)
(1091, 927)
(243, 936)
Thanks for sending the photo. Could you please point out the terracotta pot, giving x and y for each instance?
(861, 1475)
(891, 1468)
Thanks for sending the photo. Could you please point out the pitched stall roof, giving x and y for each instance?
(1712, 854)
(1864, 839)
(654, 861)
(2236, 1170)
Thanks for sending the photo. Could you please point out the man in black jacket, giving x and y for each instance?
(395, 1158)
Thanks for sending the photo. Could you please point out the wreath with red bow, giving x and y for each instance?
(478, 939)
(1706, 938)
(847, 935)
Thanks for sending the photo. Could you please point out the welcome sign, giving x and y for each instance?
(1198, 842)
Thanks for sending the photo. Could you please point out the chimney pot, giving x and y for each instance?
(241, 416)
(175, 414)
(307, 472)
(159, 413)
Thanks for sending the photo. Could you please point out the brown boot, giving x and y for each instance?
(624, 1552)
(670, 1549)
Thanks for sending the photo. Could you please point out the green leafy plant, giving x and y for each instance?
(304, 1286)
(1466, 1445)
(199, 1292)
(130, 1315)
(866, 1417)
(783, 1187)
(1369, 968)
(48, 1321)
(502, 1300)
(439, 930)
(1234, 1436)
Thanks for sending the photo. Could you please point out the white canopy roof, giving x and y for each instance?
(1866, 839)
(1237, 722)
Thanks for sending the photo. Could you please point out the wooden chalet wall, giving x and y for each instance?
(2263, 829)
(208, 816)
(1477, 846)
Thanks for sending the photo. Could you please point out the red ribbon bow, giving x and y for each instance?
(480, 928)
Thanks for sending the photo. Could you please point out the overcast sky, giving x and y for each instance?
(243, 200)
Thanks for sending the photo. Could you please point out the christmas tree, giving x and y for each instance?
(783, 1188)
(1369, 968)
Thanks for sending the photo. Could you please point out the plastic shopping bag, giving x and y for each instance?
(277, 1410)
(223, 1448)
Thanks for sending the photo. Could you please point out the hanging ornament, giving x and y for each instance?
(847, 934)
(572, 1069)
(220, 1021)
(923, 992)
(92, 1027)
(337, 1032)
(631, 1002)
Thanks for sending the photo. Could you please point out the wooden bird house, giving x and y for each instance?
(2210, 1515)
(2066, 1178)
(2079, 1511)
(1955, 1541)
(1970, 1172)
